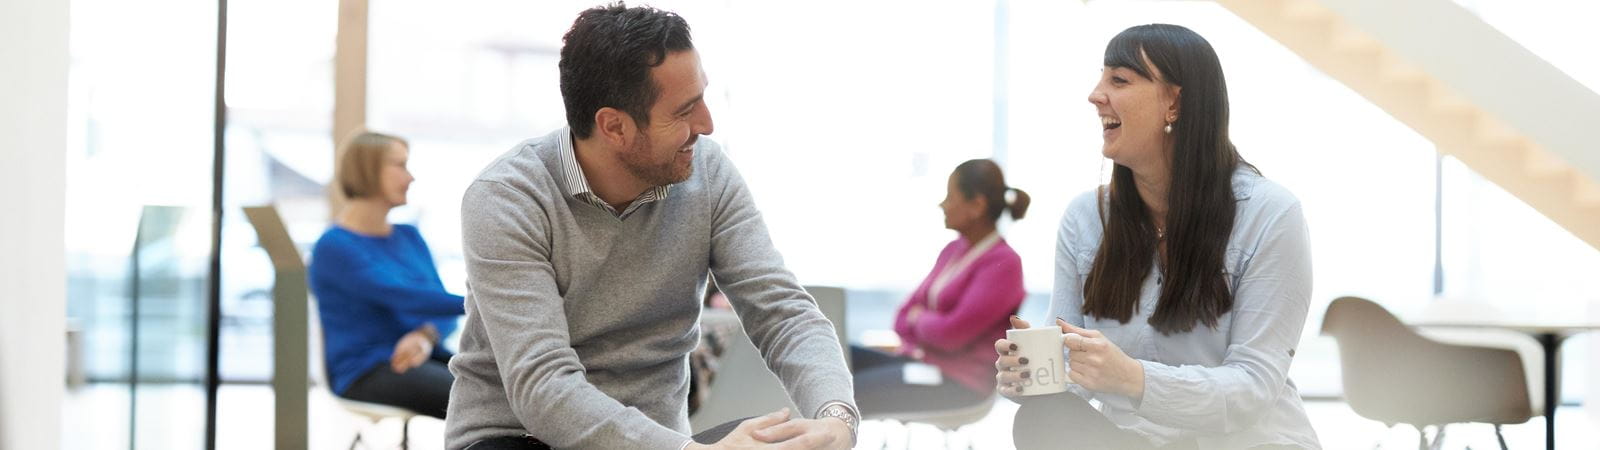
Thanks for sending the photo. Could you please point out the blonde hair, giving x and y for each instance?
(362, 161)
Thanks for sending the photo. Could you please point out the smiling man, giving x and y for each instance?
(587, 252)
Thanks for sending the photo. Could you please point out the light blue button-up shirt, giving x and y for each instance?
(1227, 387)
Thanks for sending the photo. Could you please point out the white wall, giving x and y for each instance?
(33, 85)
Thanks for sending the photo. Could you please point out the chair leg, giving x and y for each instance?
(405, 433)
(1438, 437)
(355, 441)
(1500, 437)
(1422, 437)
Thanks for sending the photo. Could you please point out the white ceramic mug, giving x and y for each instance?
(1046, 365)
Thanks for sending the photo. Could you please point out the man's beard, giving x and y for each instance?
(637, 160)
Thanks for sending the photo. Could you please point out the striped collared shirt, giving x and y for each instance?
(579, 186)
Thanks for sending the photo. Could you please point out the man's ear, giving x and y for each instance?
(614, 127)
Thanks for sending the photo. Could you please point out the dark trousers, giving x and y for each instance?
(881, 387)
(424, 389)
(1065, 420)
(526, 442)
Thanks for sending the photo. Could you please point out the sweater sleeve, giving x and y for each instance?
(344, 263)
(514, 294)
(994, 292)
(1269, 312)
(796, 340)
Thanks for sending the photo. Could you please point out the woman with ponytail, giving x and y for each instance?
(949, 323)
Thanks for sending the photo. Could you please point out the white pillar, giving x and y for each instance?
(33, 96)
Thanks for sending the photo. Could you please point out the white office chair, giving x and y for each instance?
(950, 421)
(744, 386)
(288, 261)
(372, 412)
(1394, 375)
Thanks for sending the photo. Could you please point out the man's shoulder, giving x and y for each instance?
(530, 167)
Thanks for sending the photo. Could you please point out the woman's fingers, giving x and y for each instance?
(1008, 383)
(1073, 342)
(1004, 347)
(1018, 323)
(1074, 329)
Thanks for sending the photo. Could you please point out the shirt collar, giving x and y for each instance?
(578, 185)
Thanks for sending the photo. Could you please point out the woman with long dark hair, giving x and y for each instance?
(1183, 285)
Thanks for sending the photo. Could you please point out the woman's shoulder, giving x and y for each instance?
(407, 230)
(1081, 220)
(1085, 206)
(334, 236)
(1260, 196)
(1002, 251)
(950, 248)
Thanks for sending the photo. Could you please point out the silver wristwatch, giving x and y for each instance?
(842, 411)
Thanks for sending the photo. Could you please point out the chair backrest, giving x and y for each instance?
(831, 301)
(744, 386)
(1394, 375)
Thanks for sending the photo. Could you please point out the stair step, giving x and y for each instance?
(1352, 41)
(1586, 192)
(1442, 99)
(1305, 10)
(1542, 163)
(1394, 69)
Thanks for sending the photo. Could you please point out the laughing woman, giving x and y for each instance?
(1183, 284)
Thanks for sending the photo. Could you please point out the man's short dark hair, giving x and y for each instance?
(606, 59)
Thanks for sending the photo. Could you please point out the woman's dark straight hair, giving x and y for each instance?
(1200, 198)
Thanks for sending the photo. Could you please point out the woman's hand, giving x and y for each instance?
(1009, 380)
(1098, 365)
(413, 349)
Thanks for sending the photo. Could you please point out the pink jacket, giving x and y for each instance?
(957, 335)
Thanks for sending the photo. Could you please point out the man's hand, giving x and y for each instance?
(824, 433)
(411, 351)
(743, 435)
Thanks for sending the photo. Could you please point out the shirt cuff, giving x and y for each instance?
(1157, 398)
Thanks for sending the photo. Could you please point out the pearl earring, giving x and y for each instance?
(1167, 128)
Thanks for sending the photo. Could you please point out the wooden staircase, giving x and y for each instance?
(1479, 96)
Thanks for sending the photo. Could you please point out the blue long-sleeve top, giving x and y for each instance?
(372, 290)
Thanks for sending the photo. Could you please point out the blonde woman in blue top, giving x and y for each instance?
(1183, 284)
(382, 304)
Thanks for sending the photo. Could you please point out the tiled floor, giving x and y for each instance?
(245, 422)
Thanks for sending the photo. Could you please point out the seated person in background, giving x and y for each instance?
(948, 327)
(587, 252)
(713, 341)
(383, 307)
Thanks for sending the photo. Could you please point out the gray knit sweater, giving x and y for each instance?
(579, 323)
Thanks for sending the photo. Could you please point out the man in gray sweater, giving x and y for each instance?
(587, 251)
